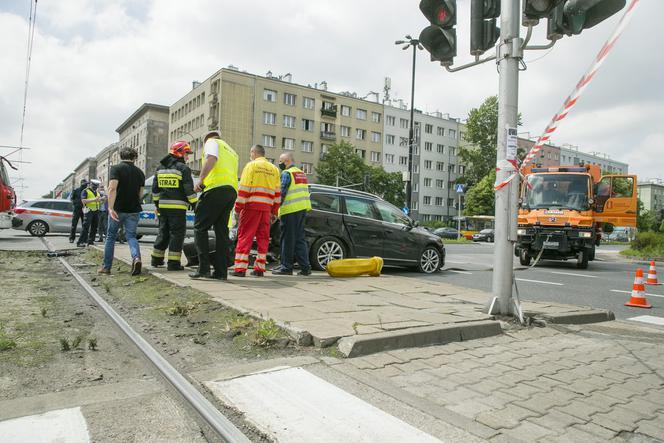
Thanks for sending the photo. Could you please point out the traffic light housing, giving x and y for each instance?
(483, 30)
(534, 10)
(573, 16)
(440, 37)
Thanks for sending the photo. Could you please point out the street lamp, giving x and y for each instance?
(411, 139)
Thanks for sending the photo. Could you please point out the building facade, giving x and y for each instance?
(436, 164)
(651, 194)
(280, 115)
(549, 156)
(105, 161)
(146, 130)
(570, 155)
(86, 170)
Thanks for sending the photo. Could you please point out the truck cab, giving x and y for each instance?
(562, 211)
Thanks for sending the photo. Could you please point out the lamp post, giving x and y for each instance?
(411, 138)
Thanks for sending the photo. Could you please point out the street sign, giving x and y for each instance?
(405, 210)
(459, 188)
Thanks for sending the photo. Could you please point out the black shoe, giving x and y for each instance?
(257, 273)
(238, 274)
(80, 245)
(174, 267)
(71, 240)
(198, 276)
(136, 266)
(304, 273)
(219, 277)
(282, 271)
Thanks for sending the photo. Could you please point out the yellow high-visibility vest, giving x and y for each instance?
(92, 206)
(224, 172)
(297, 197)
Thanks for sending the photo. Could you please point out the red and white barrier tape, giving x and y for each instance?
(571, 99)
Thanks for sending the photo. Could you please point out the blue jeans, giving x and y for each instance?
(130, 223)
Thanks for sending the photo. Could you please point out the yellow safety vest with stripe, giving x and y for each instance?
(89, 194)
(224, 172)
(297, 198)
(175, 189)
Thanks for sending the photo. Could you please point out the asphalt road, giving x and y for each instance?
(606, 284)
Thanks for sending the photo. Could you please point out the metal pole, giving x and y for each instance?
(509, 56)
(411, 138)
(459, 218)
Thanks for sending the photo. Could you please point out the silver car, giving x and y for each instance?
(39, 217)
(148, 224)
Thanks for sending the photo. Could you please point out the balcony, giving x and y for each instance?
(326, 135)
(330, 111)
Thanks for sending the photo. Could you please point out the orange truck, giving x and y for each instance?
(563, 209)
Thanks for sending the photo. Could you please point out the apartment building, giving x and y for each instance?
(548, 156)
(651, 193)
(146, 130)
(86, 170)
(278, 114)
(570, 155)
(105, 159)
(436, 164)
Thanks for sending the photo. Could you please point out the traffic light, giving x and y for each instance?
(483, 30)
(534, 10)
(573, 16)
(439, 38)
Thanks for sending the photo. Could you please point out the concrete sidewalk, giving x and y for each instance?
(367, 314)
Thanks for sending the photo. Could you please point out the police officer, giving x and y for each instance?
(78, 209)
(91, 199)
(218, 181)
(173, 193)
(295, 203)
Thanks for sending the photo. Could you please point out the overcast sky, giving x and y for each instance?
(95, 61)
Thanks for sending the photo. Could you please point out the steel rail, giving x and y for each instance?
(208, 412)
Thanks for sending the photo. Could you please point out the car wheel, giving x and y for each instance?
(38, 228)
(524, 257)
(325, 250)
(430, 260)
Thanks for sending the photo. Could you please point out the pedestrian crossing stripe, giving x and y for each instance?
(650, 319)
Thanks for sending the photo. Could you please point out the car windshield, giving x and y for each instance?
(486, 231)
(565, 191)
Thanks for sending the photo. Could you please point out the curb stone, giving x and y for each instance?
(579, 318)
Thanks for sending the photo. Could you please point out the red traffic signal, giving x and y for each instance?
(439, 12)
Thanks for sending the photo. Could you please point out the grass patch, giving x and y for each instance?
(461, 241)
(646, 246)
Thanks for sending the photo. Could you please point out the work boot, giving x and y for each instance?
(238, 273)
(200, 275)
(216, 276)
(174, 266)
(256, 273)
(282, 271)
(155, 262)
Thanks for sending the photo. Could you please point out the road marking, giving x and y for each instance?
(539, 281)
(459, 272)
(629, 292)
(574, 274)
(295, 405)
(649, 319)
(61, 425)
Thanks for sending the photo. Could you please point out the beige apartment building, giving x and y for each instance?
(278, 114)
(146, 130)
(105, 161)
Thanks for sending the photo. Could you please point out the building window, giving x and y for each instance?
(428, 164)
(416, 150)
(360, 152)
(427, 182)
(439, 201)
(269, 95)
(440, 166)
(360, 134)
(428, 128)
(414, 206)
(390, 120)
(403, 141)
(323, 148)
(389, 139)
(375, 137)
(416, 187)
(389, 159)
(416, 169)
(307, 146)
(307, 168)
(403, 160)
(375, 117)
(426, 200)
(450, 168)
(441, 149)
(440, 131)
(403, 122)
(375, 156)
(269, 141)
(452, 150)
(450, 202)
(269, 118)
(440, 184)
(462, 169)
(361, 114)
(451, 133)
(289, 121)
(428, 146)
(308, 103)
(289, 144)
(289, 99)
(308, 125)
(345, 110)
(345, 131)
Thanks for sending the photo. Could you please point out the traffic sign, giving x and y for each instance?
(405, 210)
(459, 188)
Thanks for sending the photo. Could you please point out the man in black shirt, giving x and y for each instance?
(125, 192)
(78, 209)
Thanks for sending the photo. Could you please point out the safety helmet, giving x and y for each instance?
(95, 183)
(180, 148)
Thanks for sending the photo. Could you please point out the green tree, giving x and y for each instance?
(478, 152)
(341, 161)
(480, 197)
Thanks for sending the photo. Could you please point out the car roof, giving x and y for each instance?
(314, 187)
(32, 200)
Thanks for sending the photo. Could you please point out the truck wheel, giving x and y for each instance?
(592, 254)
(582, 261)
(524, 257)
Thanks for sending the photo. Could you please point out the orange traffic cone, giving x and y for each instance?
(638, 299)
(652, 275)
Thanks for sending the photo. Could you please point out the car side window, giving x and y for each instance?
(391, 214)
(42, 205)
(325, 202)
(63, 206)
(359, 207)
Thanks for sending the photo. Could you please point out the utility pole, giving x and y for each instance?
(459, 219)
(510, 53)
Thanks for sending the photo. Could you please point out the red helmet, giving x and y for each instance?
(180, 148)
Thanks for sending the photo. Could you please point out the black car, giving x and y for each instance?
(346, 223)
(486, 235)
(447, 233)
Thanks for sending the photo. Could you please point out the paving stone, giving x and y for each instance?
(600, 399)
(362, 363)
(382, 359)
(486, 386)
(543, 402)
(415, 377)
(596, 430)
(528, 431)
(644, 407)
(443, 372)
(581, 387)
(556, 420)
(654, 428)
(508, 417)
(655, 396)
(387, 371)
(572, 435)
(522, 390)
(498, 399)
(619, 392)
(619, 419)
(582, 409)
(458, 395)
(470, 408)
(412, 366)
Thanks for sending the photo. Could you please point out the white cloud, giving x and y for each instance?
(95, 62)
